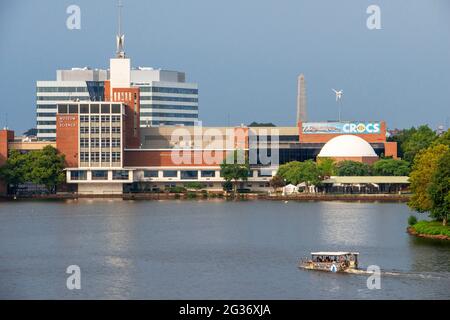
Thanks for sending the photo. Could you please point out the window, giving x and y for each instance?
(78, 175)
(208, 173)
(84, 129)
(62, 108)
(115, 142)
(106, 108)
(115, 156)
(95, 119)
(115, 108)
(84, 156)
(99, 175)
(95, 142)
(105, 156)
(189, 174)
(105, 119)
(95, 156)
(170, 173)
(94, 108)
(84, 108)
(73, 108)
(150, 173)
(105, 129)
(264, 173)
(84, 119)
(95, 130)
(84, 143)
(105, 143)
(115, 118)
(115, 129)
(120, 175)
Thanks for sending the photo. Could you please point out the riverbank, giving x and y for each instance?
(242, 196)
(430, 229)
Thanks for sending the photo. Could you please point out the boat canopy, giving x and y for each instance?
(331, 253)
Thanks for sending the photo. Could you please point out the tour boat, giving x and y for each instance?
(331, 261)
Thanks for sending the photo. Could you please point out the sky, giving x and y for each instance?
(245, 55)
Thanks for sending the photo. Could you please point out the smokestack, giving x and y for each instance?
(301, 99)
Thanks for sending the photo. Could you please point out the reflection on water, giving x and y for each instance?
(212, 249)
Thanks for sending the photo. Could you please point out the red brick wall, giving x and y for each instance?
(130, 97)
(390, 149)
(5, 136)
(67, 137)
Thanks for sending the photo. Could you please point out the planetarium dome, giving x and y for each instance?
(347, 146)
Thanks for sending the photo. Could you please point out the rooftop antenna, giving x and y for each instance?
(120, 38)
(338, 100)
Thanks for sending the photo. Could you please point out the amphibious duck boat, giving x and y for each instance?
(331, 261)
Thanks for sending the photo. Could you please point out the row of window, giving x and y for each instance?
(71, 98)
(171, 115)
(95, 142)
(46, 123)
(166, 123)
(96, 156)
(192, 174)
(166, 107)
(95, 130)
(61, 89)
(96, 119)
(99, 175)
(169, 90)
(157, 98)
(46, 106)
(89, 108)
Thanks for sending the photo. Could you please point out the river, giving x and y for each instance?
(212, 249)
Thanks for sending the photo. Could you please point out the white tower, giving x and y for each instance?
(120, 67)
(301, 99)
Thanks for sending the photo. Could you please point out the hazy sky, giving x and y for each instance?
(245, 55)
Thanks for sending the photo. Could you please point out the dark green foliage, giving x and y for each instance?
(352, 168)
(391, 167)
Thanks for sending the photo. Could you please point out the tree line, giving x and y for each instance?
(41, 167)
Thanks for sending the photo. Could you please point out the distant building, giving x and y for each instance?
(166, 98)
(301, 99)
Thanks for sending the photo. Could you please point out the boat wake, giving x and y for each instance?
(395, 273)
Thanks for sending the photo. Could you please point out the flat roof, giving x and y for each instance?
(367, 179)
(333, 253)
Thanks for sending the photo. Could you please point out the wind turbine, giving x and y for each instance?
(339, 95)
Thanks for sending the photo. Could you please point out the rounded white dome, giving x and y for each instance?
(347, 146)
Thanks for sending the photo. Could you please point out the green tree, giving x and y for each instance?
(443, 139)
(421, 139)
(233, 170)
(391, 167)
(439, 189)
(296, 172)
(400, 138)
(420, 178)
(277, 182)
(194, 185)
(352, 168)
(13, 171)
(326, 167)
(40, 167)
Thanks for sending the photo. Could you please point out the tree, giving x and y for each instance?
(327, 167)
(352, 168)
(421, 139)
(296, 172)
(13, 171)
(277, 182)
(234, 171)
(40, 167)
(424, 167)
(443, 139)
(439, 189)
(400, 138)
(194, 185)
(391, 167)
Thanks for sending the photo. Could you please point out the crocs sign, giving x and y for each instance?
(341, 127)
